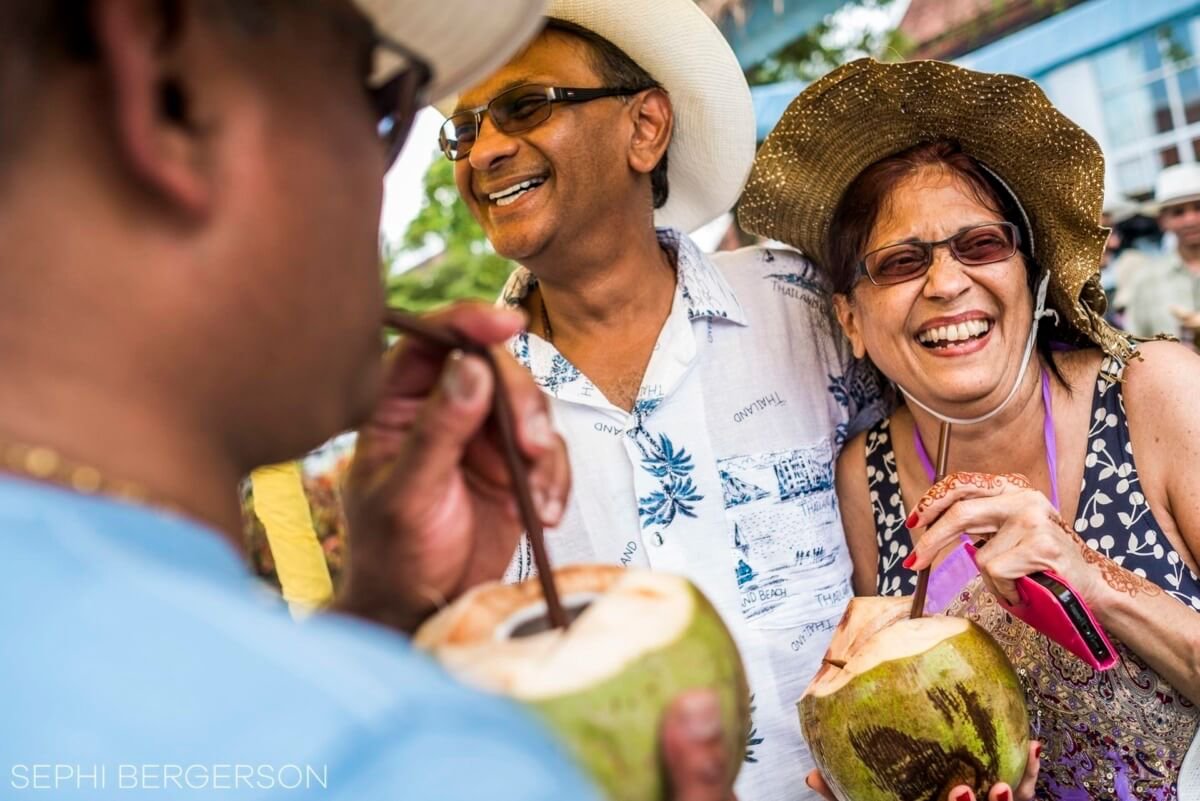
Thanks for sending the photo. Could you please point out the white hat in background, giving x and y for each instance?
(462, 41)
(679, 46)
(1176, 184)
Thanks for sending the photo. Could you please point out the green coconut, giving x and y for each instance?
(904, 710)
(637, 641)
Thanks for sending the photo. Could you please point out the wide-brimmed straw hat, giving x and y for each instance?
(866, 111)
(462, 41)
(680, 47)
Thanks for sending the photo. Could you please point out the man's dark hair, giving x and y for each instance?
(617, 70)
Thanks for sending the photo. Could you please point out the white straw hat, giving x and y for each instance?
(462, 41)
(681, 48)
(1176, 184)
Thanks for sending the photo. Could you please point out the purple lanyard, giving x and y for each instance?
(1047, 434)
(949, 577)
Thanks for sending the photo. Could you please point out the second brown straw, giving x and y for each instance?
(943, 456)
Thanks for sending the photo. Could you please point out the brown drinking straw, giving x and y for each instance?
(943, 455)
(502, 413)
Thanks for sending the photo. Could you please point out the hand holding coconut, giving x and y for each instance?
(999, 792)
(428, 497)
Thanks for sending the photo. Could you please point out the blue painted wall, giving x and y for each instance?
(1073, 34)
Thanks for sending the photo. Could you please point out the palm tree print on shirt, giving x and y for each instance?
(672, 467)
(752, 738)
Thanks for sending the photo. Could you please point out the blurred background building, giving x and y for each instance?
(1125, 70)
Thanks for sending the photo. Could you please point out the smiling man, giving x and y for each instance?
(703, 398)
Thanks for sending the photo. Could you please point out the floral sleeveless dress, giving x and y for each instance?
(1118, 734)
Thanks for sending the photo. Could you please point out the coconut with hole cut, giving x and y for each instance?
(638, 639)
(905, 709)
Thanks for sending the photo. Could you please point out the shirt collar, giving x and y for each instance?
(704, 290)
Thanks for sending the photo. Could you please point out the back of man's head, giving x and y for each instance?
(192, 188)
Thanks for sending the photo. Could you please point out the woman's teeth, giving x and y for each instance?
(945, 335)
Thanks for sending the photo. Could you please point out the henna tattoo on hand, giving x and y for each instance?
(983, 481)
(1114, 575)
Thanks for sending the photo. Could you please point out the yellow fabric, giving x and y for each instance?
(281, 505)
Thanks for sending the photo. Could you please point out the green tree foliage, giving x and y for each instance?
(833, 42)
(466, 268)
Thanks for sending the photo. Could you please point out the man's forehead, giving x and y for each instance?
(553, 59)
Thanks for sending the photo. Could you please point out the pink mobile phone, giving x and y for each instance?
(1050, 605)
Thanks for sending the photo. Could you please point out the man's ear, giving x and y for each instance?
(847, 316)
(139, 44)
(653, 121)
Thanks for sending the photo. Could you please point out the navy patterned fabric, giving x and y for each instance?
(1113, 517)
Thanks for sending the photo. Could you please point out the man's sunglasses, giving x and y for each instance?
(979, 244)
(397, 100)
(514, 111)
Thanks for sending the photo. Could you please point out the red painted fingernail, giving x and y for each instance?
(911, 521)
(965, 795)
(910, 560)
(1037, 751)
(1003, 795)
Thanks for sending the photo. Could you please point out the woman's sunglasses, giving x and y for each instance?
(979, 244)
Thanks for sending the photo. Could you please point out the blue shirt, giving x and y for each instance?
(140, 659)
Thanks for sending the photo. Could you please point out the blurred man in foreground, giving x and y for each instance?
(189, 195)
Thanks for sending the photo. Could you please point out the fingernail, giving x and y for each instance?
(912, 520)
(1003, 795)
(460, 378)
(552, 510)
(1037, 751)
(965, 795)
(909, 561)
(701, 717)
(808, 781)
(538, 430)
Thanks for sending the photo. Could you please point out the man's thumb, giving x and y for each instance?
(451, 416)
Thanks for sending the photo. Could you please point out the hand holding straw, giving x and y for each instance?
(502, 413)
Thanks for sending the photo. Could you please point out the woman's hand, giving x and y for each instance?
(998, 792)
(1023, 532)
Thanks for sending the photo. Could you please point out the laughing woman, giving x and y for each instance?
(953, 214)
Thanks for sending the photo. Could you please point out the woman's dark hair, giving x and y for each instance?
(868, 195)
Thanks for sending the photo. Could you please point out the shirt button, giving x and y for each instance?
(656, 538)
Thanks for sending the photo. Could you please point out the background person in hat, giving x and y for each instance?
(703, 398)
(189, 194)
(941, 230)
(1165, 298)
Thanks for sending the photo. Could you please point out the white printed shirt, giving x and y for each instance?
(724, 472)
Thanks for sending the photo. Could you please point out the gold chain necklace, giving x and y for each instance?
(46, 464)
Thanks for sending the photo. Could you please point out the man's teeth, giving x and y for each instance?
(954, 333)
(506, 196)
